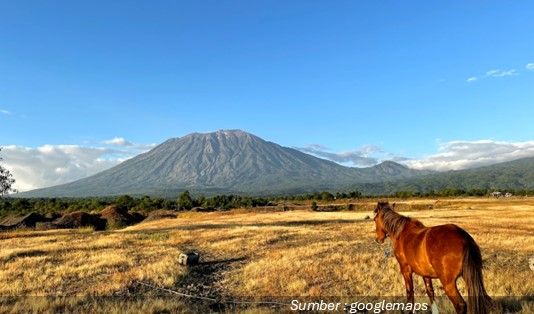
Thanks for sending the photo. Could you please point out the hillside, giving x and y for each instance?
(512, 175)
(231, 161)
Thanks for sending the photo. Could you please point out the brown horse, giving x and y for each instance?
(445, 252)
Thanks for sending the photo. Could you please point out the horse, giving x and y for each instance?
(445, 252)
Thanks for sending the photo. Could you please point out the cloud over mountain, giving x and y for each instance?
(454, 155)
(48, 165)
(223, 162)
(365, 156)
(457, 155)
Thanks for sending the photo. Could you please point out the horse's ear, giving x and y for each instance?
(393, 206)
(383, 204)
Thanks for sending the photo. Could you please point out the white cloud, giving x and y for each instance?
(530, 66)
(363, 157)
(494, 73)
(472, 79)
(500, 73)
(6, 112)
(118, 141)
(48, 165)
(454, 155)
(457, 155)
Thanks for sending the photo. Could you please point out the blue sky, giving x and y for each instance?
(435, 85)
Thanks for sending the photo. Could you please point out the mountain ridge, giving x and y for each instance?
(510, 175)
(237, 162)
(225, 161)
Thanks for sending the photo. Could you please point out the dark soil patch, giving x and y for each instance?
(160, 214)
(117, 217)
(201, 284)
(19, 221)
(79, 219)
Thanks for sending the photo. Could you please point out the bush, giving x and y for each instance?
(350, 207)
(112, 224)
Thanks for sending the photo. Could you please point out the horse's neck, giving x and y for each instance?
(412, 225)
(412, 228)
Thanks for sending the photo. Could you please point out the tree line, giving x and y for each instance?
(52, 206)
(461, 192)
(185, 201)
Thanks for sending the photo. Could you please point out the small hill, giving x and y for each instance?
(160, 214)
(20, 221)
(116, 217)
(79, 219)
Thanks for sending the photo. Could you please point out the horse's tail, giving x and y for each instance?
(472, 273)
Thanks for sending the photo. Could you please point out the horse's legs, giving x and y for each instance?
(408, 280)
(429, 289)
(430, 292)
(452, 292)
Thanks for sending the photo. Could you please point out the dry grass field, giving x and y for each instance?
(254, 256)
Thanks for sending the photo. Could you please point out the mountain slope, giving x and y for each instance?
(512, 175)
(231, 161)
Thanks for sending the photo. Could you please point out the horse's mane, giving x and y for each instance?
(394, 222)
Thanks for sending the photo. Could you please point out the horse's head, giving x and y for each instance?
(381, 234)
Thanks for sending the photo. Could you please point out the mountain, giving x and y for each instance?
(228, 161)
(512, 175)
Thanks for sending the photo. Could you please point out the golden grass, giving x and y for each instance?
(253, 256)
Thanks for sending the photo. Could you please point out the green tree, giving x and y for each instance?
(6, 180)
(21, 205)
(341, 195)
(169, 205)
(125, 202)
(185, 202)
(327, 196)
(201, 200)
(355, 194)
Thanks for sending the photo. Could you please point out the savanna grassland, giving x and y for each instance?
(255, 256)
